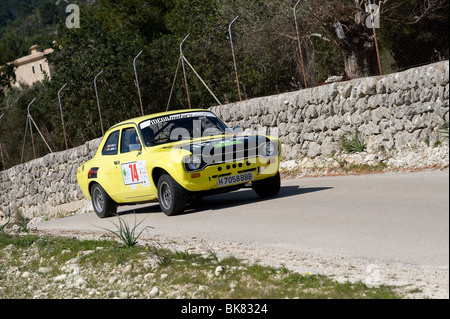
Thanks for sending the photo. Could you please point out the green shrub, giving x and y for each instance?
(354, 143)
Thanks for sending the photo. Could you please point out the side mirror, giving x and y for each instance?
(136, 147)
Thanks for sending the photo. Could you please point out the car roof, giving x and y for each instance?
(139, 119)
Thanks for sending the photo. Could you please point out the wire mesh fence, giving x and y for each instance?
(351, 39)
(276, 47)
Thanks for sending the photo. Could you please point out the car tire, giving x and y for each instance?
(103, 205)
(268, 187)
(171, 196)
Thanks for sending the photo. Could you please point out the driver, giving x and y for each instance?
(148, 136)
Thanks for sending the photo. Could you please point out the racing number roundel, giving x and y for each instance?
(135, 173)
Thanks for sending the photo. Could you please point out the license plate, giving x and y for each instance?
(234, 179)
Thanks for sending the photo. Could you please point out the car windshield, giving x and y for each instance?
(182, 126)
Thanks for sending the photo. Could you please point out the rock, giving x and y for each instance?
(149, 276)
(218, 271)
(154, 292)
(44, 270)
(314, 150)
(74, 280)
(60, 278)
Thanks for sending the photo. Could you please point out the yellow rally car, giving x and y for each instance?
(176, 158)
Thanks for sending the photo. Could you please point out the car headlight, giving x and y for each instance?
(269, 149)
(194, 163)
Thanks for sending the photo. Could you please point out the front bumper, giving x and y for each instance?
(206, 179)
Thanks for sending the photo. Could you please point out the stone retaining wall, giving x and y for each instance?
(395, 113)
(46, 186)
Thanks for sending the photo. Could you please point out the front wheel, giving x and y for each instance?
(268, 187)
(104, 206)
(171, 196)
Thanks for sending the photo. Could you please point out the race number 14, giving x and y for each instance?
(135, 173)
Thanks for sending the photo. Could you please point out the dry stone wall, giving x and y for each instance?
(395, 113)
(46, 186)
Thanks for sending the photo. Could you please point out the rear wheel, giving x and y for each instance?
(171, 196)
(268, 187)
(104, 206)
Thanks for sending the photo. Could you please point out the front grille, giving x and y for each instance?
(230, 156)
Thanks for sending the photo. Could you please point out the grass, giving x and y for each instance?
(113, 269)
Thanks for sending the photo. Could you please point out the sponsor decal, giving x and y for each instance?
(174, 117)
(92, 172)
(134, 173)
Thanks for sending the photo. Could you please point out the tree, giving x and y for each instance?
(416, 31)
(357, 42)
(113, 32)
(10, 48)
(264, 44)
(7, 76)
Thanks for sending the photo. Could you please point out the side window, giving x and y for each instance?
(129, 141)
(111, 145)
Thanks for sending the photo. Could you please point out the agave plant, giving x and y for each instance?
(127, 234)
(22, 222)
(355, 143)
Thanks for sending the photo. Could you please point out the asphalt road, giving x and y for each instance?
(396, 217)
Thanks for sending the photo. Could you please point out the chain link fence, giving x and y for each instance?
(342, 40)
(276, 47)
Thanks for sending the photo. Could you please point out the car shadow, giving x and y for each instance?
(227, 200)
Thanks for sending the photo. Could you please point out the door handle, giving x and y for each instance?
(116, 162)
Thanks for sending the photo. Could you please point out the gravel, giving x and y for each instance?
(412, 281)
(341, 163)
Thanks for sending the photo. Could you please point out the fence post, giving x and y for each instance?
(184, 70)
(62, 117)
(173, 84)
(372, 20)
(299, 45)
(98, 102)
(137, 82)
(31, 129)
(234, 58)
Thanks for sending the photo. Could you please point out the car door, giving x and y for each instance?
(108, 171)
(131, 168)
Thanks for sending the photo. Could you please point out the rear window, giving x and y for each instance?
(111, 145)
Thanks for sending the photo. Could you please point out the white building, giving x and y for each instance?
(32, 68)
